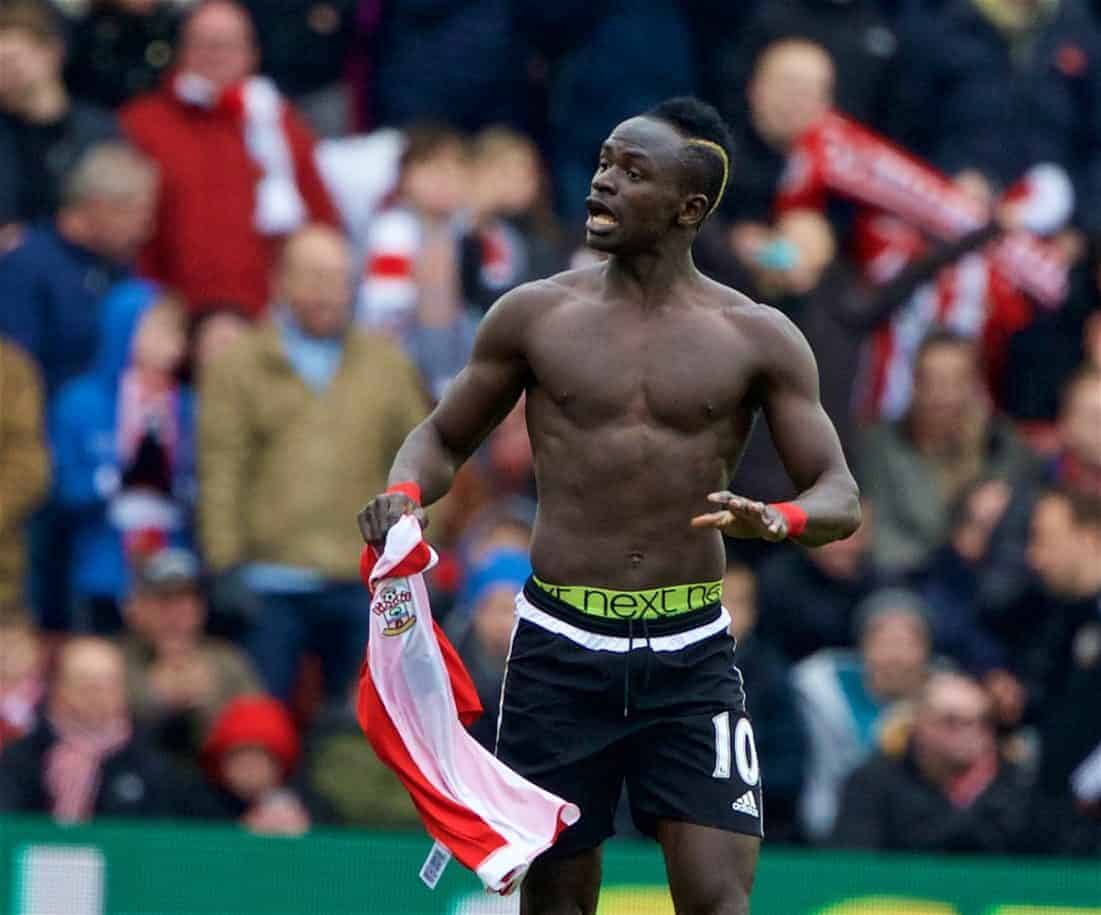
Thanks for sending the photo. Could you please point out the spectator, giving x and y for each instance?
(51, 284)
(178, 680)
(513, 238)
(475, 43)
(853, 32)
(1057, 629)
(780, 736)
(808, 597)
(22, 672)
(949, 791)
(846, 697)
(483, 633)
(955, 587)
(304, 48)
(287, 442)
(914, 469)
(237, 165)
(84, 759)
(413, 278)
(123, 444)
(250, 756)
(43, 132)
(995, 86)
(120, 48)
(24, 463)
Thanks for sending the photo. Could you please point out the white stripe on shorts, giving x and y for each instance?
(526, 610)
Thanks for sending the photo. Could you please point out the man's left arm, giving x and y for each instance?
(828, 505)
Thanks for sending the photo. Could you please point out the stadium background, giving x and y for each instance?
(195, 509)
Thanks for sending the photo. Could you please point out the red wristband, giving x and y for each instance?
(794, 515)
(409, 488)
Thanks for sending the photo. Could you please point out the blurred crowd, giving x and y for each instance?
(244, 246)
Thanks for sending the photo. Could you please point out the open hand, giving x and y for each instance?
(743, 518)
(383, 512)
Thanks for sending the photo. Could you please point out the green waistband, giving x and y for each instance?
(652, 603)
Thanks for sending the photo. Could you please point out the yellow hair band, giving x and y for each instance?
(712, 145)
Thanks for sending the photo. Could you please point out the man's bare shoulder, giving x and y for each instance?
(538, 297)
(765, 325)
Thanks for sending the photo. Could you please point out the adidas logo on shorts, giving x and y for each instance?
(746, 804)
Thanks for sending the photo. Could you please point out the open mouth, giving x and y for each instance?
(601, 217)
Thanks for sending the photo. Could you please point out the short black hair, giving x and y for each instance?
(697, 120)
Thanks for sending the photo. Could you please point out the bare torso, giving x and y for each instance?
(635, 414)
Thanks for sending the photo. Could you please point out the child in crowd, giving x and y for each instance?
(250, 755)
(123, 449)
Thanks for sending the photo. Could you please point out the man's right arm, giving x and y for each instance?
(481, 395)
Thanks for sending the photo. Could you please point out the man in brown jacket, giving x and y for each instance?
(298, 420)
(24, 462)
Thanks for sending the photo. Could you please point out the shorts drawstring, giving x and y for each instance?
(627, 666)
(627, 663)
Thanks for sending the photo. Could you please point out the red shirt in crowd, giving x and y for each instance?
(205, 245)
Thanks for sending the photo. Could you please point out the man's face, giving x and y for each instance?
(315, 283)
(1080, 421)
(119, 225)
(26, 62)
(791, 90)
(637, 190)
(171, 620)
(161, 340)
(1055, 546)
(946, 384)
(89, 686)
(218, 45)
(895, 651)
(953, 724)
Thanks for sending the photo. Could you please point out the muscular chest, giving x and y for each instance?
(674, 372)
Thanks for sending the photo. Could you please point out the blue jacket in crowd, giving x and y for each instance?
(87, 469)
(50, 292)
(974, 99)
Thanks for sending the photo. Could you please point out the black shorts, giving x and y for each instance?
(581, 716)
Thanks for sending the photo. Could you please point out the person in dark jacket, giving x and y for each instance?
(949, 792)
(997, 86)
(120, 48)
(52, 282)
(43, 132)
(84, 759)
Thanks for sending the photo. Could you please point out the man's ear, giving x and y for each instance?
(693, 210)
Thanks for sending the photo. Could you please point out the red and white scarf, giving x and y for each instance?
(414, 696)
(144, 517)
(74, 762)
(260, 109)
(985, 295)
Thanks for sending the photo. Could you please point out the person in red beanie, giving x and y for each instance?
(250, 755)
